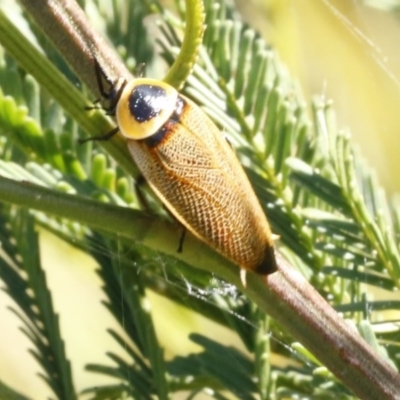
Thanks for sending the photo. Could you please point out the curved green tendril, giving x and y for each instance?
(193, 36)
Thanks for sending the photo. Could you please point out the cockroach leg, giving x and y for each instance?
(181, 240)
(104, 137)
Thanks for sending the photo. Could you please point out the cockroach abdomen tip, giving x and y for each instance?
(268, 265)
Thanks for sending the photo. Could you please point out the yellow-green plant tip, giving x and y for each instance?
(76, 169)
(302, 350)
(65, 187)
(123, 189)
(100, 196)
(109, 179)
(322, 371)
(99, 165)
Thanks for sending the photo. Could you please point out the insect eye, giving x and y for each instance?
(147, 102)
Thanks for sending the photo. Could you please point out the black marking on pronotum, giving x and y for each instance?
(156, 138)
(159, 136)
(147, 102)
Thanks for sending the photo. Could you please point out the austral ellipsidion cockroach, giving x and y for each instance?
(193, 170)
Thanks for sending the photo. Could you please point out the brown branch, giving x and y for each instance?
(323, 332)
(67, 26)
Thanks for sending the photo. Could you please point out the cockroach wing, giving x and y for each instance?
(196, 174)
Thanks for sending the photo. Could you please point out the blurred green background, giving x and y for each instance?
(347, 51)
